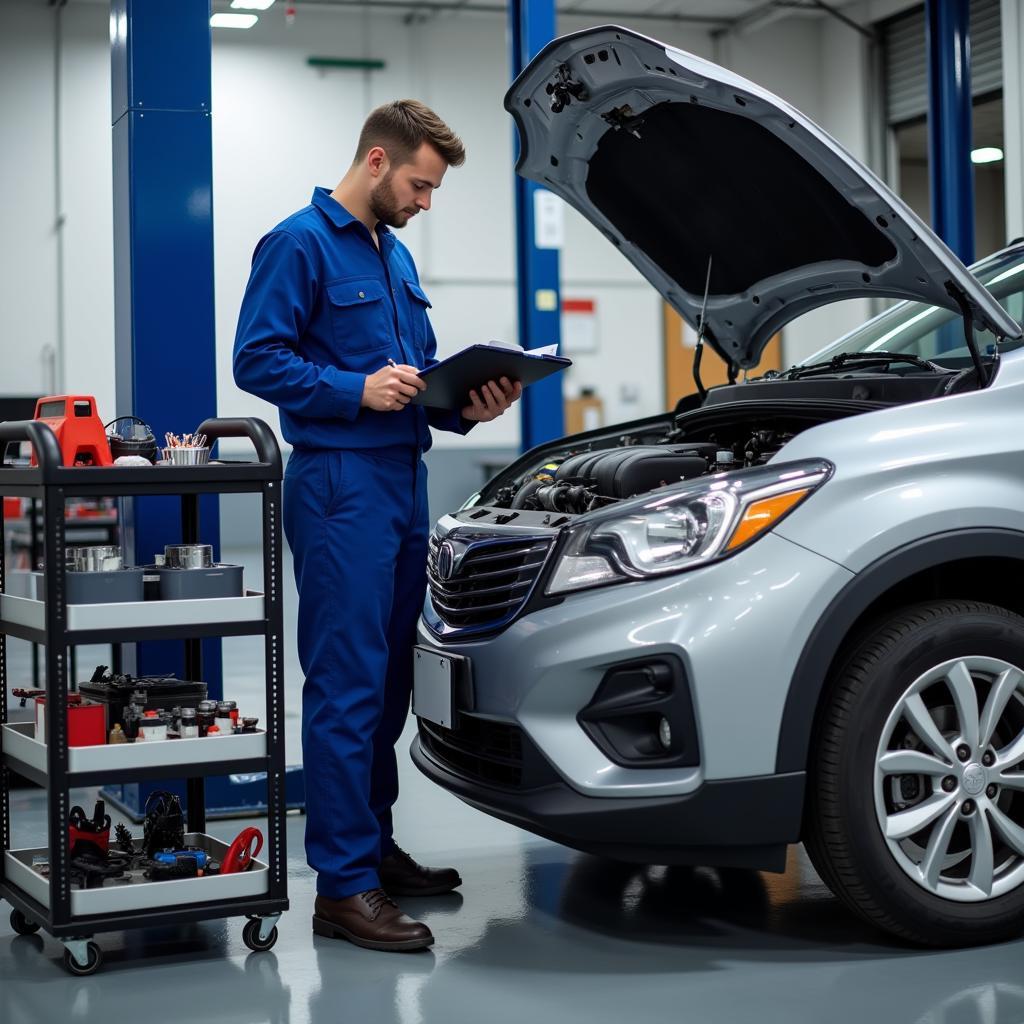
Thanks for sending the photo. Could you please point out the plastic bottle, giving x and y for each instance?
(188, 724)
(227, 714)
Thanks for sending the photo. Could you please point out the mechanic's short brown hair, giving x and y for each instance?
(400, 128)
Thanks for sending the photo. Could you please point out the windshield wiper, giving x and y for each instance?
(859, 361)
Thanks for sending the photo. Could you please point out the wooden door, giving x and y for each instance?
(679, 342)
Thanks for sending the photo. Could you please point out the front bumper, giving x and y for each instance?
(736, 823)
(736, 627)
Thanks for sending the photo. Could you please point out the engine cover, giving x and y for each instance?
(625, 472)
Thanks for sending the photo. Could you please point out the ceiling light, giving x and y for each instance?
(233, 20)
(986, 155)
(251, 5)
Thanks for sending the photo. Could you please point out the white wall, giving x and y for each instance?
(88, 202)
(1012, 17)
(27, 251)
(281, 127)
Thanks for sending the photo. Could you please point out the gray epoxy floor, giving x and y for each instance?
(537, 933)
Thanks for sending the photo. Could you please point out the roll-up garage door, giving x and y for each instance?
(906, 59)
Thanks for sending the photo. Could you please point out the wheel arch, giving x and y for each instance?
(952, 564)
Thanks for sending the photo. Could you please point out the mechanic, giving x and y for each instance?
(332, 329)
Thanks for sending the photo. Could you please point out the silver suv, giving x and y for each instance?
(790, 609)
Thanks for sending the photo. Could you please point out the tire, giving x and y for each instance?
(897, 736)
(251, 936)
(22, 925)
(72, 966)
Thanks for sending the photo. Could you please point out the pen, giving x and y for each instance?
(391, 362)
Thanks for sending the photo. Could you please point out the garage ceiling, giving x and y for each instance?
(731, 14)
(715, 12)
(708, 13)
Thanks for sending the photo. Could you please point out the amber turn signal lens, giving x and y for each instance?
(762, 515)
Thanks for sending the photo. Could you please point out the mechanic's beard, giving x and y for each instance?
(385, 207)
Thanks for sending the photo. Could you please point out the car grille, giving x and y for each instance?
(490, 583)
(478, 749)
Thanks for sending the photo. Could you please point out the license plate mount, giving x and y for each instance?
(438, 683)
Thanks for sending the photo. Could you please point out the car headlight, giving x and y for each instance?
(684, 529)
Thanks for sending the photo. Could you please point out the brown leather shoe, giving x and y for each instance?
(402, 876)
(370, 919)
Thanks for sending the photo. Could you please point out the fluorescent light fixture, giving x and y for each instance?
(986, 155)
(233, 20)
(251, 5)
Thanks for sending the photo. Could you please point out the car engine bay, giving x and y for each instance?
(600, 470)
(591, 479)
(735, 427)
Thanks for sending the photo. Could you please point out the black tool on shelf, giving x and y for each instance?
(129, 435)
(117, 690)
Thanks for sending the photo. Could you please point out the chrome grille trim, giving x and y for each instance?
(494, 576)
(497, 557)
(446, 592)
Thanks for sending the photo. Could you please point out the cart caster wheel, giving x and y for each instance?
(251, 936)
(22, 925)
(72, 966)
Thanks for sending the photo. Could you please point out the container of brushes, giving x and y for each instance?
(186, 456)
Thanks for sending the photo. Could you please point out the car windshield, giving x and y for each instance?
(936, 334)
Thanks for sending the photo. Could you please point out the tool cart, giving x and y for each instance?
(43, 896)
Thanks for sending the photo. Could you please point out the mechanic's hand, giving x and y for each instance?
(492, 400)
(391, 388)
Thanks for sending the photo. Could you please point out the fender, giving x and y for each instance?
(851, 602)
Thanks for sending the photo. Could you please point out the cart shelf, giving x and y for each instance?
(102, 763)
(141, 895)
(219, 477)
(25, 618)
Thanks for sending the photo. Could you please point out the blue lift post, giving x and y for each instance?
(951, 173)
(163, 255)
(163, 272)
(531, 27)
(165, 339)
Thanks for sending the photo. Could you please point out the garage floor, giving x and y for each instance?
(536, 934)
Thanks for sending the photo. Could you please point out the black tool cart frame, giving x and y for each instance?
(52, 483)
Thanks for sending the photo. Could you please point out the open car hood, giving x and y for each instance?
(679, 161)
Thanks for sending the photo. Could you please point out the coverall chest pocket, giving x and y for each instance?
(418, 306)
(360, 315)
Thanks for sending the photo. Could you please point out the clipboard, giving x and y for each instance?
(450, 381)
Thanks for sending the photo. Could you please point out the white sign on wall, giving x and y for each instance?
(579, 326)
(548, 220)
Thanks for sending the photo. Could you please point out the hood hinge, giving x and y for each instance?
(563, 89)
(972, 344)
(623, 119)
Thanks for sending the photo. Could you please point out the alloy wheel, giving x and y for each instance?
(949, 779)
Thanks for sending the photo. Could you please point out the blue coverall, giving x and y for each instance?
(323, 308)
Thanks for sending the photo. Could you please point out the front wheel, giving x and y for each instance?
(251, 936)
(22, 925)
(94, 958)
(916, 807)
